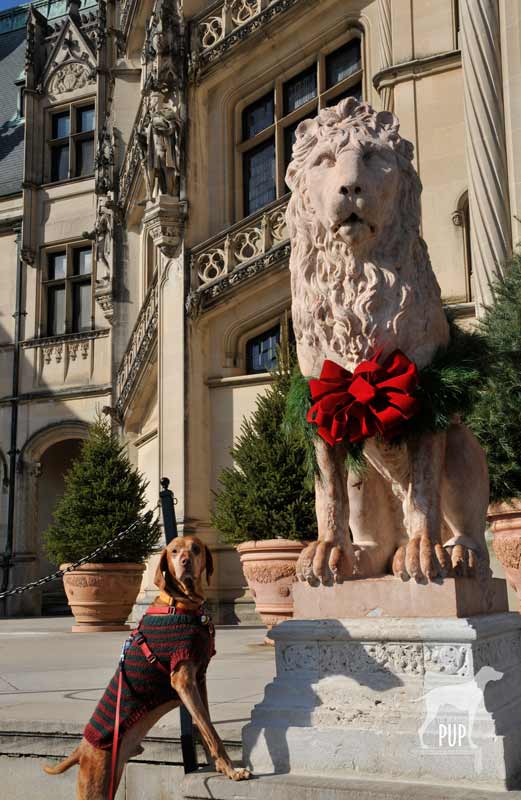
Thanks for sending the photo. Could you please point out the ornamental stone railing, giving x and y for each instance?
(66, 348)
(141, 340)
(127, 9)
(246, 249)
(228, 23)
(131, 160)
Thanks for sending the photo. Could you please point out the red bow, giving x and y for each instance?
(375, 398)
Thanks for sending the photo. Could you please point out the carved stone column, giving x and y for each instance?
(490, 231)
(385, 49)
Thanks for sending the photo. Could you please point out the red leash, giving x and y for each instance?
(116, 736)
(151, 657)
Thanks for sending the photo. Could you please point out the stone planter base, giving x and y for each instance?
(269, 566)
(505, 522)
(101, 596)
(353, 697)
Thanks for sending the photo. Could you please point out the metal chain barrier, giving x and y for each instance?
(61, 572)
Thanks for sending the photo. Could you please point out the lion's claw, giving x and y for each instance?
(325, 562)
(422, 560)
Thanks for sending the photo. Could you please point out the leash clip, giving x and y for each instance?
(126, 644)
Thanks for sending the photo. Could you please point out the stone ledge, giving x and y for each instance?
(209, 786)
(390, 597)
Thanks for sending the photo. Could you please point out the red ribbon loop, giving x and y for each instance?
(375, 398)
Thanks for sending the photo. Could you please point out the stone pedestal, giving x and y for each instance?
(427, 699)
(388, 597)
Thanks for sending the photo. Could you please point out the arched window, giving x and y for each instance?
(461, 219)
(268, 123)
(262, 349)
(456, 22)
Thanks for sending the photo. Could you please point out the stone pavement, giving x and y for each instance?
(51, 680)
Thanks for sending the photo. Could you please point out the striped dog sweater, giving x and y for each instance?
(172, 638)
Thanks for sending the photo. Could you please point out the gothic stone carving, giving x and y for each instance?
(104, 163)
(71, 77)
(163, 138)
(353, 219)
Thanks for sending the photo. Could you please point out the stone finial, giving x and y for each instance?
(73, 8)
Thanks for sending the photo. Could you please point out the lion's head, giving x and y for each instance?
(361, 275)
(351, 175)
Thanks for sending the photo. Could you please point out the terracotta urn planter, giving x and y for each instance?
(269, 567)
(101, 596)
(505, 523)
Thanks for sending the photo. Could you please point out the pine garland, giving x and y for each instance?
(496, 416)
(449, 385)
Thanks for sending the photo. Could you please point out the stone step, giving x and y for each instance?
(209, 786)
(158, 772)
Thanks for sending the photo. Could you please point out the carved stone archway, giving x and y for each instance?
(26, 543)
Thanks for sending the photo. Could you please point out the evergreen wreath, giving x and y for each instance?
(448, 386)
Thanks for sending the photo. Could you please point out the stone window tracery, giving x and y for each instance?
(67, 297)
(262, 348)
(71, 141)
(268, 123)
(461, 219)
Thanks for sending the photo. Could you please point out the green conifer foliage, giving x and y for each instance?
(496, 417)
(104, 494)
(266, 494)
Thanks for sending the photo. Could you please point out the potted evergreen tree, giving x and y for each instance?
(266, 503)
(104, 494)
(496, 418)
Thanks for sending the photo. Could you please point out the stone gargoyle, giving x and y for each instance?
(363, 287)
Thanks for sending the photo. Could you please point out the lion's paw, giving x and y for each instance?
(464, 559)
(325, 562)
(421, 560)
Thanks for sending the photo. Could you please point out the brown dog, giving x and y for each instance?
(179, 576)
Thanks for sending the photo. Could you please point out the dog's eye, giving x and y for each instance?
(196, 549)
(367, 156)
(174, 552)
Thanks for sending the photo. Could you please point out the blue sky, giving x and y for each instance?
(4, 4)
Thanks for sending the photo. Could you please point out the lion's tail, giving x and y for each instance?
(64, 765)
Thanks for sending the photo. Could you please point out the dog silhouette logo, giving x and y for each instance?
(464, 697)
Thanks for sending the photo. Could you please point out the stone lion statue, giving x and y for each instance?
(362, 284)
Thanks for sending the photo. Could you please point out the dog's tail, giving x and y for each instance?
(64, 765)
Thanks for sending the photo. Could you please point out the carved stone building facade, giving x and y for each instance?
(144, 251)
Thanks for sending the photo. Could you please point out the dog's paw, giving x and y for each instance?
(240, 774)
(233, 773)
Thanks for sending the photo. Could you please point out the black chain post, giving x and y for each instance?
(188, 750)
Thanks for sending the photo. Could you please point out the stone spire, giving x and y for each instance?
(73, 8)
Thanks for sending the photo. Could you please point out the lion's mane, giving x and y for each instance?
(347, 305)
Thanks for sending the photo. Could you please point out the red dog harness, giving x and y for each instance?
(137, 637)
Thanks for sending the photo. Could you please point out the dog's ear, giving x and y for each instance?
(159, 578)
(209, 564)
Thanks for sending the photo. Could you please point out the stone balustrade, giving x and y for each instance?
(228, 23)
(247, 248)
(131, 160)
(125, 14)
(138, 348)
